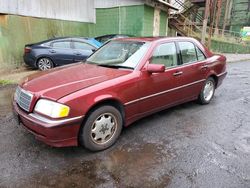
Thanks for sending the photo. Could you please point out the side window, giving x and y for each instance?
(200, 54)
(61, 44)
(83, 46)
(188, 52)
(165, 54)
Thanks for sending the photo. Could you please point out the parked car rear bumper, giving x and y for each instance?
(30, 60)
(58, 134)
(221, 78)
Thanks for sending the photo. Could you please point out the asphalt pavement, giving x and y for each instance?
(186, 146)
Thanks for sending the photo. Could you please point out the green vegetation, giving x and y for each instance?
(5, 82)
(229, 47)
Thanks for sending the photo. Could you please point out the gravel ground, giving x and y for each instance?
(186, 146)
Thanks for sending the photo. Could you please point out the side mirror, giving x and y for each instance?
(155, 68)
(93, 50)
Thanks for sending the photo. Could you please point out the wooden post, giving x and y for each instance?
(204, 27)
(225, 17)
(211, 24)
(218, 13)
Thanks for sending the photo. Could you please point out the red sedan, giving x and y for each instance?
(89, 103)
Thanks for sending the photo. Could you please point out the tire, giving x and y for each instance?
(101, 129)
(44, 63)
(207, 91)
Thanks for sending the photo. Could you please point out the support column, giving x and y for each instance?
(218, 14)
(156, 26)
(204, 27)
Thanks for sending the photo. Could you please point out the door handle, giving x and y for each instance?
(77, 53)
(52, 51)
(204, 66)
(177, 73)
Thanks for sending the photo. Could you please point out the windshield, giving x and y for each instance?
(119, 54)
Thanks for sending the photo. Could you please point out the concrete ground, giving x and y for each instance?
(186, 146)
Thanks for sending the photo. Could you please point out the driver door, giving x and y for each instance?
(161, 90)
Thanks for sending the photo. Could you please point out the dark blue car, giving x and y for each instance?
(59, 51)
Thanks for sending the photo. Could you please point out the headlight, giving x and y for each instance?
(52, 109)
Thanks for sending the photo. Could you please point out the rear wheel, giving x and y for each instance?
(44, 63)
(101, 129)
(207, 91)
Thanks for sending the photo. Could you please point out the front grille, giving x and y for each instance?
(23, 98)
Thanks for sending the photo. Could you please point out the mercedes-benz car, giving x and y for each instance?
(127, 79)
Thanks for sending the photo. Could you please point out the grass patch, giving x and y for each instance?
(5, 82)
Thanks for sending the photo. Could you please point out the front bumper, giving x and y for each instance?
(57, 133)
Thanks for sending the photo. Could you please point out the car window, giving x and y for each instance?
(119, 54)
(200, 54)
(83, 46)
(46, 44)
(188, 52)
(104, 39)
(61, 44)
(165, 54)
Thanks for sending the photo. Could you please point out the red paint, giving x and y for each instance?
(141, 91)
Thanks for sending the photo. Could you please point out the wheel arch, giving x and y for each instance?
(214, 76)
(107, 101)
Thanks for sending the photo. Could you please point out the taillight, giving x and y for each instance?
(27, 50)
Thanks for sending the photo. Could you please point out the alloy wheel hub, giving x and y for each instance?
(103, 128)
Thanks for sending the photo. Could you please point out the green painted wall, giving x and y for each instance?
(148, 21)
(107, 21)
(16, 31)
(131, 20)
(122, 20)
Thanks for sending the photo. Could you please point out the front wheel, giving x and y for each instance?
(101, 129)
(44, 63)
(207, 91)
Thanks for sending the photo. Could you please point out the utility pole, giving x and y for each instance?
(225, 17)
(211, 18)
(218, 13)
(204, 27)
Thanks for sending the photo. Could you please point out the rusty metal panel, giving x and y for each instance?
(72, 10)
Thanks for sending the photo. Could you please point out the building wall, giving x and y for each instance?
(148, 21)
(16, 31)
(121, 20)
(117, 3)
(56, 9)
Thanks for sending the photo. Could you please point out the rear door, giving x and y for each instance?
(62, 52)
(193, 69)
(82, 50)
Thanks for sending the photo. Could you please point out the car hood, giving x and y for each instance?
(57, 83)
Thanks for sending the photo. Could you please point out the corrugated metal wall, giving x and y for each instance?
(116, 3)
(72, 10)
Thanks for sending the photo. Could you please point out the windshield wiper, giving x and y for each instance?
(91, 62)
(115, 66)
